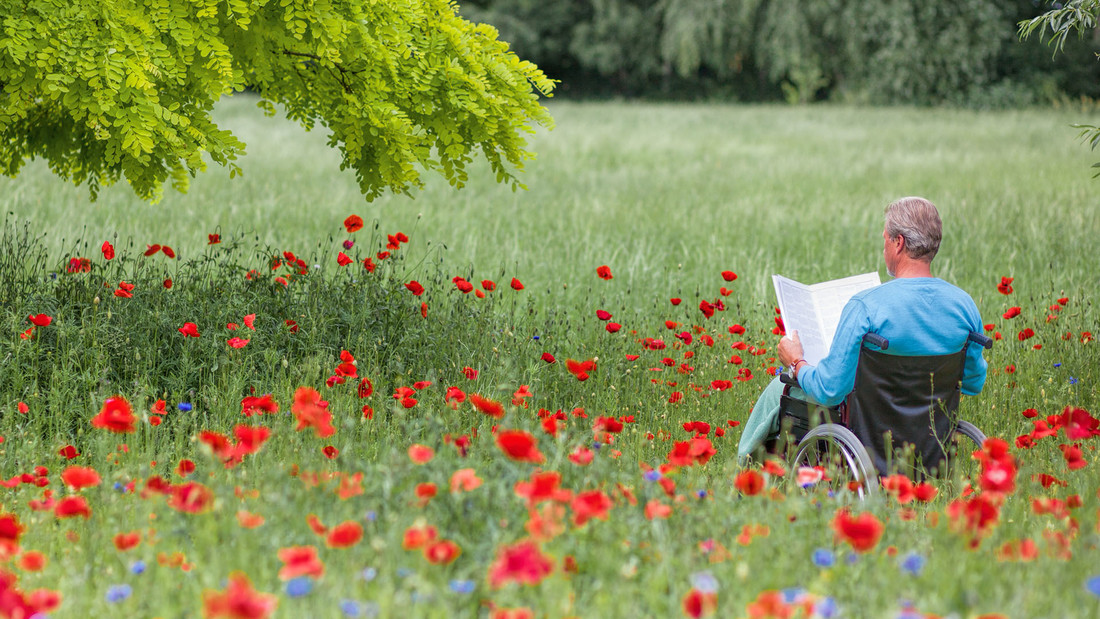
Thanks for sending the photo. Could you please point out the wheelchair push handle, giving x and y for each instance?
(877, 340)
(980, 339)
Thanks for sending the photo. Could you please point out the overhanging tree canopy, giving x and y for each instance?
(106, 89)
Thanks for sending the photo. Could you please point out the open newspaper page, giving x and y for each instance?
(814, 311)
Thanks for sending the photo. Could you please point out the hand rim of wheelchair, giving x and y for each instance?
(855, 454)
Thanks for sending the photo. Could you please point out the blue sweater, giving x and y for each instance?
(918, 315)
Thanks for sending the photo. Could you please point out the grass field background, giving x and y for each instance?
(668, 196)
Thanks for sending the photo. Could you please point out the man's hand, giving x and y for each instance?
(790, 349)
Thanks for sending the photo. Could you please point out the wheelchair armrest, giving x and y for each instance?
(980, 339)
(787, 379)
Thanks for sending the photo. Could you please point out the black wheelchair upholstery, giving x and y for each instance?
(899, 416)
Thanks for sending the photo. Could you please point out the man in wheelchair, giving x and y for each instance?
(891, 398)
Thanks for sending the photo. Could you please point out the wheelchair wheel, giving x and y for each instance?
(971, 432)
(836, 447)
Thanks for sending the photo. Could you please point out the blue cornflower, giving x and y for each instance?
(121, 487)
(1072, 380)
(792, 594)
(462, 586)
(117, 593)
(912, 563)
(704, 581)
(368, 574)
(535, 337)
(597, 445)
(297, 587)
(702, 494)
(1092, 585)
(137, 567)
(652, 475)
(823, 557)
(184, 407)
(1057, 365)
(350, 608)
(827, 608)
(852, 558)
(371, 515)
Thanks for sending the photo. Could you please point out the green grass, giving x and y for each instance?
(668, 196)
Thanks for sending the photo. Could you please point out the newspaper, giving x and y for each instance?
(814, 311)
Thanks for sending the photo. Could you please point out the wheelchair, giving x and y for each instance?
(899, 416)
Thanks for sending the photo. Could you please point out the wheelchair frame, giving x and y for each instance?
(819, 429)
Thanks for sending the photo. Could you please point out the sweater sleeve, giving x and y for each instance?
(975, 368)
(832, 380)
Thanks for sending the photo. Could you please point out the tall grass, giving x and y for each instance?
(668, 196)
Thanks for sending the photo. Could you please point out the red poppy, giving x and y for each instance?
(238, 601)
(543, 487)
(416, 538)
(580, 369)
(344, 535)
(252, 405)
(861, 532)
(1011, 313)
(415, 288)
(116, 416)
(613, 327)
(588, 505)
(548, 358)
(330, 452)
(189, 329)
(442, 552)
(729, 276)
(454, 397)
(185, 467)
(464, 480)
(23, 408)
(749, 483)
(516, 284)
(72, 506)
(469, 372)
(485, 405)
(236, 342)
(698, 604)
(420, 454)
(312, 412)
(151, 249)
(68, 452)
(423, 310)
(191, 498)
(519, 445)
(521, 562)
(603, 315)
(167, 251)
(108, 250)
(40, 320)
(1026, 334)
(353, 223)
(126, 541)
(1005, 287)
(213, 239)
(1073, 456)
(604, 272)
(79, 477)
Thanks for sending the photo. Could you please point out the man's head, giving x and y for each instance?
(913, 227)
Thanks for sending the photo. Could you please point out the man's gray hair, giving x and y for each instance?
(918, 221)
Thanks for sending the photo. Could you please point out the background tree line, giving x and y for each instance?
(963, 52)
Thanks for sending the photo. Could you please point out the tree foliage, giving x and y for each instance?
(111, 89)
(923, 52)
(1081, 16)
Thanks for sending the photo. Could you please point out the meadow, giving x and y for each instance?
(595, 472)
